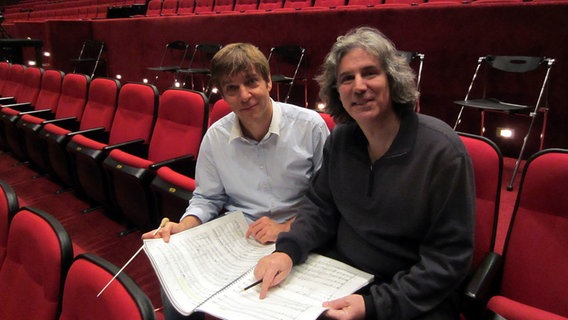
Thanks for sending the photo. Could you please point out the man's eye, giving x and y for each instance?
(251, 82)
(370, 74)
(345, 80)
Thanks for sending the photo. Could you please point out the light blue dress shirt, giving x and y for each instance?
(266, 178)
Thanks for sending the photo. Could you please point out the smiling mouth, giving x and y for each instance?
(361, 102)
(247, 108)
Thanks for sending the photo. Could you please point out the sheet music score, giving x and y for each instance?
(206, 268)
(300, 296)
(199, 262)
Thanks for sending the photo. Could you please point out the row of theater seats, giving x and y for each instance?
(78, 9)
(157, 8)
(49, 282)
(188, 7)
(526, 279)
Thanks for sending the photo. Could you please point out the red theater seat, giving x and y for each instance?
(326, 5)
(203, 6)
(9, 205)
(532, 284)
(154, 8)
(361, 4)
(169, 8)
(122, 299)
(72, 100)
(38, 255)
(186, 7)
(131, 128)
(26, 101)
(46, 103)
(245, 5)
(487, 163)
(173, 187)
(328, 120)
(270, 5)
(291, 5)
(22, 86)
(4, 73)
(12, 83)
(180, 125)
(97, 115)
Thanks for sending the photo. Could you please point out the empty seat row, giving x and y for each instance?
(48, 282)
(187, 7)
(157, 8)
(93, 119)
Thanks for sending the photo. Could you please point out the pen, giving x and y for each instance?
(252, 285)
(162, 224)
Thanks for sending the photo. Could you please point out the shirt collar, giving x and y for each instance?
(237, 132)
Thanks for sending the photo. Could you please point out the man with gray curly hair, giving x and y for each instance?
(394, 196)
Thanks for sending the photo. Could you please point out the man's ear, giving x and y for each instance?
(269, 82)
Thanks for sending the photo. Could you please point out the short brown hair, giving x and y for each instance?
(236, 58)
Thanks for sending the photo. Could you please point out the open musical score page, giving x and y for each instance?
(206, 268)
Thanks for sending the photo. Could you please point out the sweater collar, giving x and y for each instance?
(402, 144)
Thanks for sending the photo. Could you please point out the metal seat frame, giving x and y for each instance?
(510, 64)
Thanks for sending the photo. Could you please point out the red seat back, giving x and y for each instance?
(50, 92)
(38, 256)
(203, 6)
(223, 5)
(328, 120)
(101, 104)
(169, 7)
(14, 80)
(180, 125)
(487, 163)
(135, 114)
(154, 8)
(74, 90)
(4, 73)
(270, 4)
(220, 109)
(122, 299)
(535, 259)
(185, 7)
(8, 207)
(297, 4)
(244, 5)
(31, 84)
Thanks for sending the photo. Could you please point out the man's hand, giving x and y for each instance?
(272, 269)
(171, 227)
(350, 307)
(266, 230)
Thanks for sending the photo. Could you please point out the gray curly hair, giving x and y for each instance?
(401, 77)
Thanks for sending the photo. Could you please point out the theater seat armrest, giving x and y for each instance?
(24, 106)
(136, 147)
(176, 164)
(7, 100)
(478, 288)
(62, 122)
(89, 132)
(44, 113)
